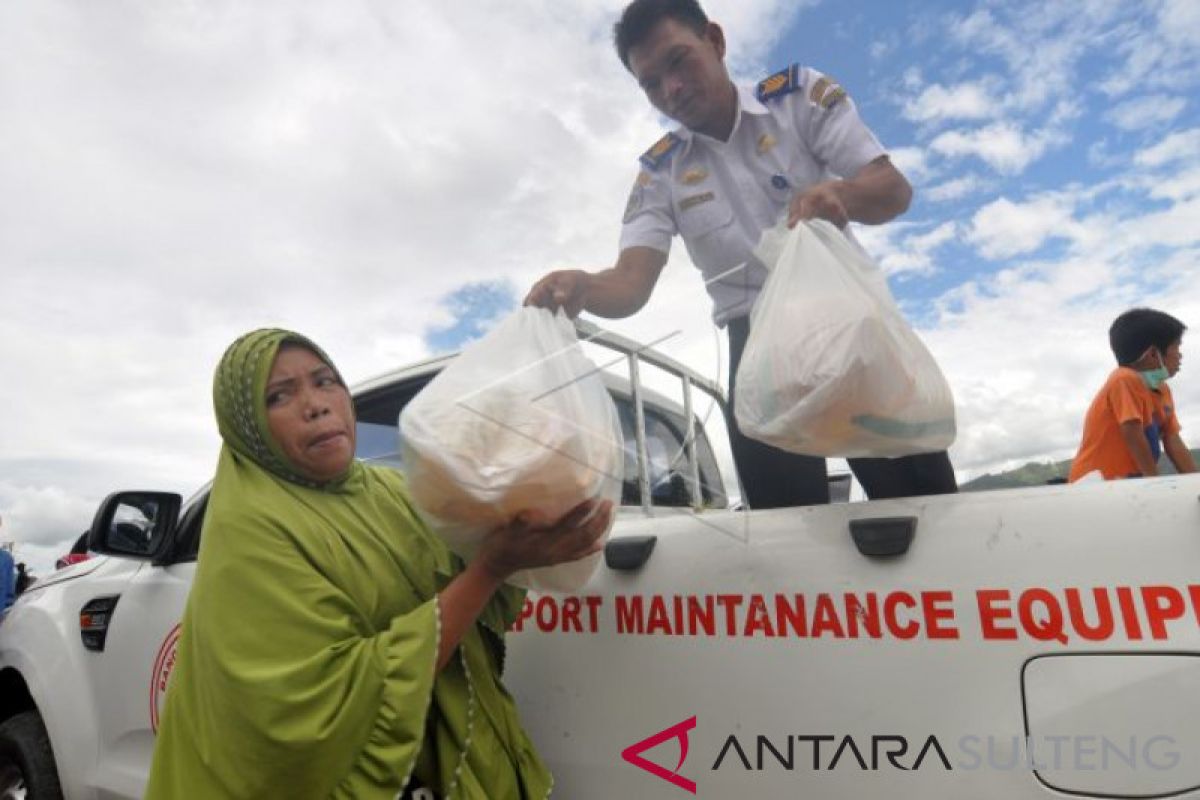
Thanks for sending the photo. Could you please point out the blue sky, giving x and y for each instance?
(1067, 94)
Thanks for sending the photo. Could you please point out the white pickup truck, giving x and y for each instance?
(1030, 643)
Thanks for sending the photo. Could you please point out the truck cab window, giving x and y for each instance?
(669, 470)
(377, 416)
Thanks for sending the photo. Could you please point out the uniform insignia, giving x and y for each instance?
(634, 204)
(765, 143)
(818, 90)
(695, 200)
(657, 155)
(637, 195)
(826, 93)
(832, 97)
(779, 84)
(694, 176)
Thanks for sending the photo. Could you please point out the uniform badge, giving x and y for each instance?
(637, 195)
(777, 85)
(779, 182)
(826, 93)
(695, 200)
(654, 158)
(694, 176)
(833, 97)
(634, 204)
(765, 143)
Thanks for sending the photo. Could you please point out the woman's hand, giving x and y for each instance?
(524, 545)
(519, 545)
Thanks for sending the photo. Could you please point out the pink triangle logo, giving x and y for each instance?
(633, 754)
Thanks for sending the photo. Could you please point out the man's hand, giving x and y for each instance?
(819, 201)
(616, 292)
(565, 289)
(874, 195)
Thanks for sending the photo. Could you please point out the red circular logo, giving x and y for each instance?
(164, 663)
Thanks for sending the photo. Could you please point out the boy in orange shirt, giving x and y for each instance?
(1132, 419)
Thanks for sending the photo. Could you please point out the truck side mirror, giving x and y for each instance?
(134, 524)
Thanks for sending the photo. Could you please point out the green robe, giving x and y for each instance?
(306, 663)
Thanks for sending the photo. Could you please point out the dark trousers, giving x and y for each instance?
(774, 478)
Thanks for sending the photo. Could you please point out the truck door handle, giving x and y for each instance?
(629, 553)
(882, 537)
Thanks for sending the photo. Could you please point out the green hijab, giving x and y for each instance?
(306, 662)
(239, 387)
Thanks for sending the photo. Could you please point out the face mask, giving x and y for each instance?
(1154, 378)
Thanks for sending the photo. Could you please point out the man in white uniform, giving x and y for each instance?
(742, 159)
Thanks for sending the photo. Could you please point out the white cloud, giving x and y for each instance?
(47, 516)
(1161, 56)
(955, 188)
(1003, 229)
(1178, 146)
(1003, 146)
(1179, 21)
(1042, 45)
(1102, 153)
(883, 48)
(1182, 185)
(906, 249)
(946, 232)
(1146, 112)
(962, 101)
(914, 253)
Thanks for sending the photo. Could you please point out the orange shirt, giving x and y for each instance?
(1123, 398)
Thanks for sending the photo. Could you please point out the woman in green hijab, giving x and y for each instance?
(331, 645)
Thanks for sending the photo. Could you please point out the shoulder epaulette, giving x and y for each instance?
(657, 155)
(781, 83)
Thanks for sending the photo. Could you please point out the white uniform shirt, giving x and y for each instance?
(720, 196)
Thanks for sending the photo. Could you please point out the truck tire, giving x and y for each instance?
(27, 769)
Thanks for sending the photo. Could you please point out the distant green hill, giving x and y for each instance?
(1035, 474)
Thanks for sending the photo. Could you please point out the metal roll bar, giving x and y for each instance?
(636, 353)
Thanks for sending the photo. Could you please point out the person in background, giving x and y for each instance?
(1132, 419)
(8, 579)
(24, 579)
(331, 645)
(743, 158)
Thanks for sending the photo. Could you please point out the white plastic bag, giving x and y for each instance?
(519, 422)
(831, 368)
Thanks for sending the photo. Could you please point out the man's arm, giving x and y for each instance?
(616, 292)
(1139, 448)
(1179, 454)
(875, 194)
